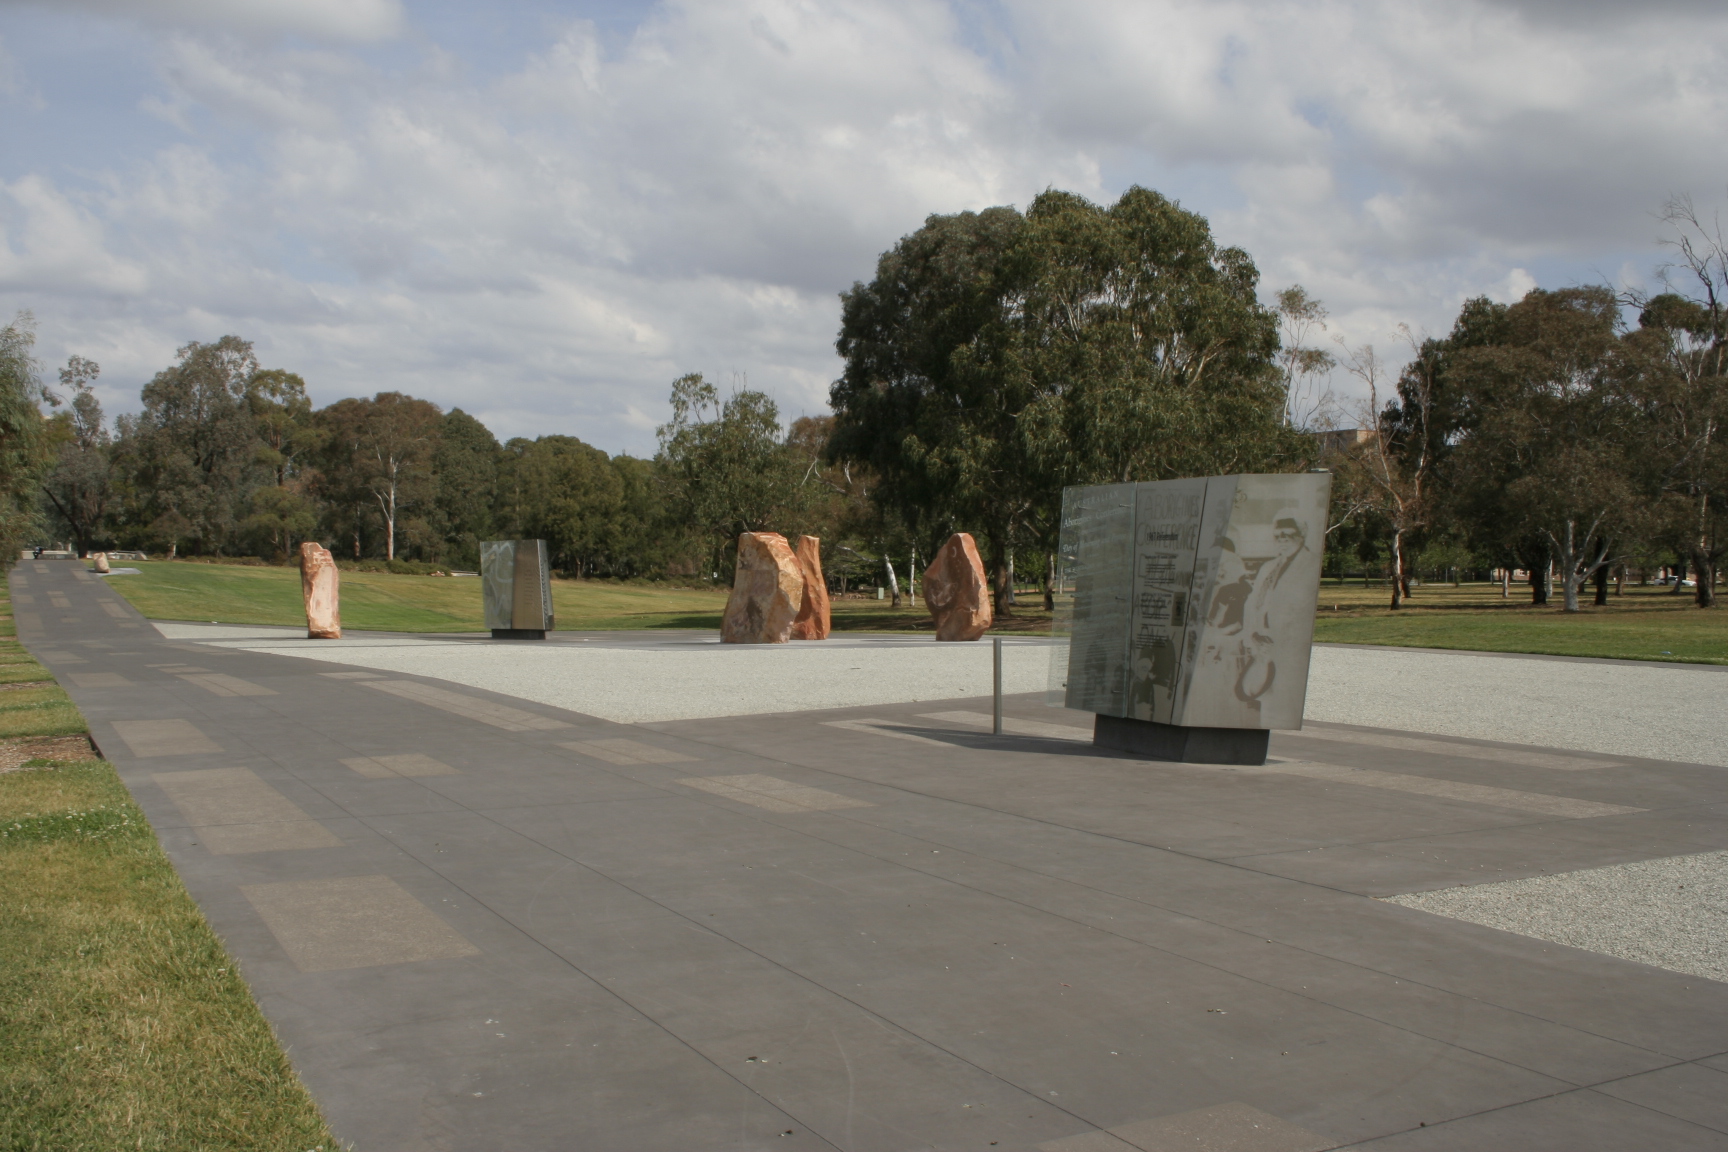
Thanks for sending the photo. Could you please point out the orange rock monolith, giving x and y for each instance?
(101, 559)
(321, 585)
(956, 591)
(813, 621)
(767, 591)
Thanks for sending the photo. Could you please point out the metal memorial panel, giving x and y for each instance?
(498, 582)
(1190, 602)
(516, 585)
(1094, 574)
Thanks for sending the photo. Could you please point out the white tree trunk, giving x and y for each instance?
(893, 584)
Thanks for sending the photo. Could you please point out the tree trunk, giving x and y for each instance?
(1704, 570)
(1001, 574)
(1602, 585)
(1505, 583)
(1050, 582)
(912, 579)
(1538, 586)
(1012, 599)
(1398, 586)
(1620, 580)
(1679, 575)
(893, 583)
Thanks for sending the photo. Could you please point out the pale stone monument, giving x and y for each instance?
(320, 583)
(516, 589)
(1192, 611)
(767, 591)
(814, 620)
(957, 592)
(102, 568)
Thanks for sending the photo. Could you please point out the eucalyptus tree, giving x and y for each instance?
(22, 441)
(997, 357)
(79, 483)
(193, 449)
(382, 447)
(1551, 446)
(726, 466)
(1680, 383)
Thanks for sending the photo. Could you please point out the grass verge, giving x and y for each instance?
(1643, 624)
(124, 1024)
(1646, 623)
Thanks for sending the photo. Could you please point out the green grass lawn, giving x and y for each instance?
(124, 1024)
(1646, 623)
(1643, 624)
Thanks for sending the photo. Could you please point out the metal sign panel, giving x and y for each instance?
(1192, 601)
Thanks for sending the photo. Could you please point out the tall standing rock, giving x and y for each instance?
(956, 591)
(320, 584)
(102, 567)
(767, 591)
(813, 622)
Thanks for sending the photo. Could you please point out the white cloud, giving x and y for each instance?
(549, 243)
(337, 20)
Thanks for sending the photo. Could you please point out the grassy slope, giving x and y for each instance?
(123, 1022)
(1644, 624)
(235, 594)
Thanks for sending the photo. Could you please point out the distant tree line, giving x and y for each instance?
(994, 358)
(1553, 436)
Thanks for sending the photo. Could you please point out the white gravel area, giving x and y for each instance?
(1619, 708)
(638, 684)
(1670, 913)
(1622, 708)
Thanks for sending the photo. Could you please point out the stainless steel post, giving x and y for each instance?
(996, 711)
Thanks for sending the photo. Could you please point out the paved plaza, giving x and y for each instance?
(640, 892)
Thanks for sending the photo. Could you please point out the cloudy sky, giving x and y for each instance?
(544, 212)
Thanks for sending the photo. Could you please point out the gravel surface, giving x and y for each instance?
(1620, 708)
(1623, 708)
(686, 679)
(1669, 913)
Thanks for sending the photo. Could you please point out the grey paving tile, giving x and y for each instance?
(352, 922)
(1580, 1121)
(1693, 1092)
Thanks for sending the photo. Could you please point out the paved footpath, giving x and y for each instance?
(483, 923)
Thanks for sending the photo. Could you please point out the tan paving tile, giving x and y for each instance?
(471, 707)
(406, 764)
(98, 679)
(222, 684)
(772, 793)
(236, 812)
(353, 922)
(164, 738)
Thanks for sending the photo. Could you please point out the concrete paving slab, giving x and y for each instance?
(352, 922)
(1692, 1092)
(167, 737)
(1015, 939)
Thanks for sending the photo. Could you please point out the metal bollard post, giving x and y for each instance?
(996, 711)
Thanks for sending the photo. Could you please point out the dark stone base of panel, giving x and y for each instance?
(518, 633)
(1157, 741)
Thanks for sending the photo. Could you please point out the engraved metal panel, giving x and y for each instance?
(498, 581)
(1190, 601)
(1096, 572)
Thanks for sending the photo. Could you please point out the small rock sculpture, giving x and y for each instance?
(956, 591)
(320, 583)
(102, 568)
(767, 591)
(813, 620)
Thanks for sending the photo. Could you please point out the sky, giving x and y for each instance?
(543, 213)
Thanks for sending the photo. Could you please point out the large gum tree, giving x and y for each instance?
(998, 356)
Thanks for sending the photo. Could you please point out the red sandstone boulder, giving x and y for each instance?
(320, 584)
(767, 591)
(813, 620)
(956, 591)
